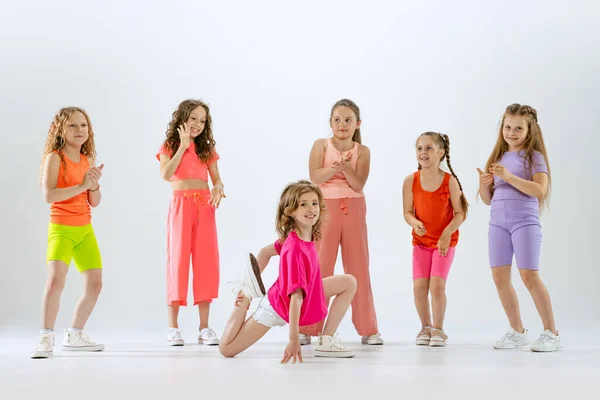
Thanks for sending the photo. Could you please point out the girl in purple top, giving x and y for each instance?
(299, 295)
(516, 180)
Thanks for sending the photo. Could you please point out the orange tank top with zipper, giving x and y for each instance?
(434, 210)
(76, 210)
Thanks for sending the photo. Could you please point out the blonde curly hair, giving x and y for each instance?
(55, 140)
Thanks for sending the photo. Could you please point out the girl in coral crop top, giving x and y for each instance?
(434, 206)
(187, 156)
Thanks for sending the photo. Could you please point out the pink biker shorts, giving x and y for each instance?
(427, 262)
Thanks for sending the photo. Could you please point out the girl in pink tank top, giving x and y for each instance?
(340, 167)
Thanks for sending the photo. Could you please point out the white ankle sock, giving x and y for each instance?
(74, 329)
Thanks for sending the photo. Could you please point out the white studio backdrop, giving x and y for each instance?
(271, 72)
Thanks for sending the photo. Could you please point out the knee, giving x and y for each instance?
(421, 287)
(94, 288)
(437, 288)
(225, 351)
(350, 283)
(530, 279)
(55, 283)
(501, 281)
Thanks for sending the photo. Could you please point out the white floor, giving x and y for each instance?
(150, 369)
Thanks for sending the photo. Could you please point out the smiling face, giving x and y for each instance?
(514, 131)
(308, 211)
(197, 121)
(76, 130)
(428, 153)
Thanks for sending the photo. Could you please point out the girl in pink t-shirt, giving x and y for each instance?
(299, 296)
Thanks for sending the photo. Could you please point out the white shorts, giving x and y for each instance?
(266, 315)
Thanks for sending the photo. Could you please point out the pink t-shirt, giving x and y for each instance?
(298, 269)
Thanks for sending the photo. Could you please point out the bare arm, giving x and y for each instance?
(94, 196)
(52, 194)
(215, 176)
(318, 174)
(536, 188)
(264, 256)
(407, 202)
(169, 165)
(459, 213)
(486, 193)
(357, 179)
(295, 306)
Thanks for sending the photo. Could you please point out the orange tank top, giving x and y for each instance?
(337, 187)
(76, 210)
(434, 210)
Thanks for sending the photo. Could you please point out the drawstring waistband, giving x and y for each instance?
(343, 207)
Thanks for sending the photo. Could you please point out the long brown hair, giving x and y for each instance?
(442, 141)
(288, 204)
(534, 141)
(55, 140)
(204, 142)
(351, 105)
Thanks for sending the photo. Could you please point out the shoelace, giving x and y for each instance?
(509, 336)
(209, 333)
(336, 342)
(45, 341)
(84, 338)
(544, 337)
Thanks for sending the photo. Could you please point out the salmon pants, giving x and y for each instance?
(192, 231)
(345, 224)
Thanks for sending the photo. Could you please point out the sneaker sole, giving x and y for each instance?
(176, 342)
(211, 342)
(511, 348)
(89, 348)
(422, 342)
(436, 343)
(42, 354)
(334, 354)
(370, 343)
(255, 277)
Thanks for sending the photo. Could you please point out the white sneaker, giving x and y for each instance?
(208, 337)
(424, 336)
(547, 342)
(331, 346)
(252, 286)
(45, 347)
(174, 337)
(372, 340)
(79, 341)
(304, 339)
(438, 338)
(512, 339)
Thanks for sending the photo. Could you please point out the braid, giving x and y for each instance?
(447, 155)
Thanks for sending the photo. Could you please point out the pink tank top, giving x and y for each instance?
(337, 187)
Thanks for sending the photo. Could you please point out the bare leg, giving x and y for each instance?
(57, 274)
(239, 335)
(343, 288)
(421, 294)
(204, 312)
(93, 285)
(540, 296)
(508, 296)
(173, 314)
(438, 301)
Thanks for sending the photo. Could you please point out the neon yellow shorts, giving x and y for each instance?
(73, 242)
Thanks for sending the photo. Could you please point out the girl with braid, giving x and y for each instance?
(434, 206)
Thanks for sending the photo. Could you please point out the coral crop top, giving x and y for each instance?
(190, 166)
